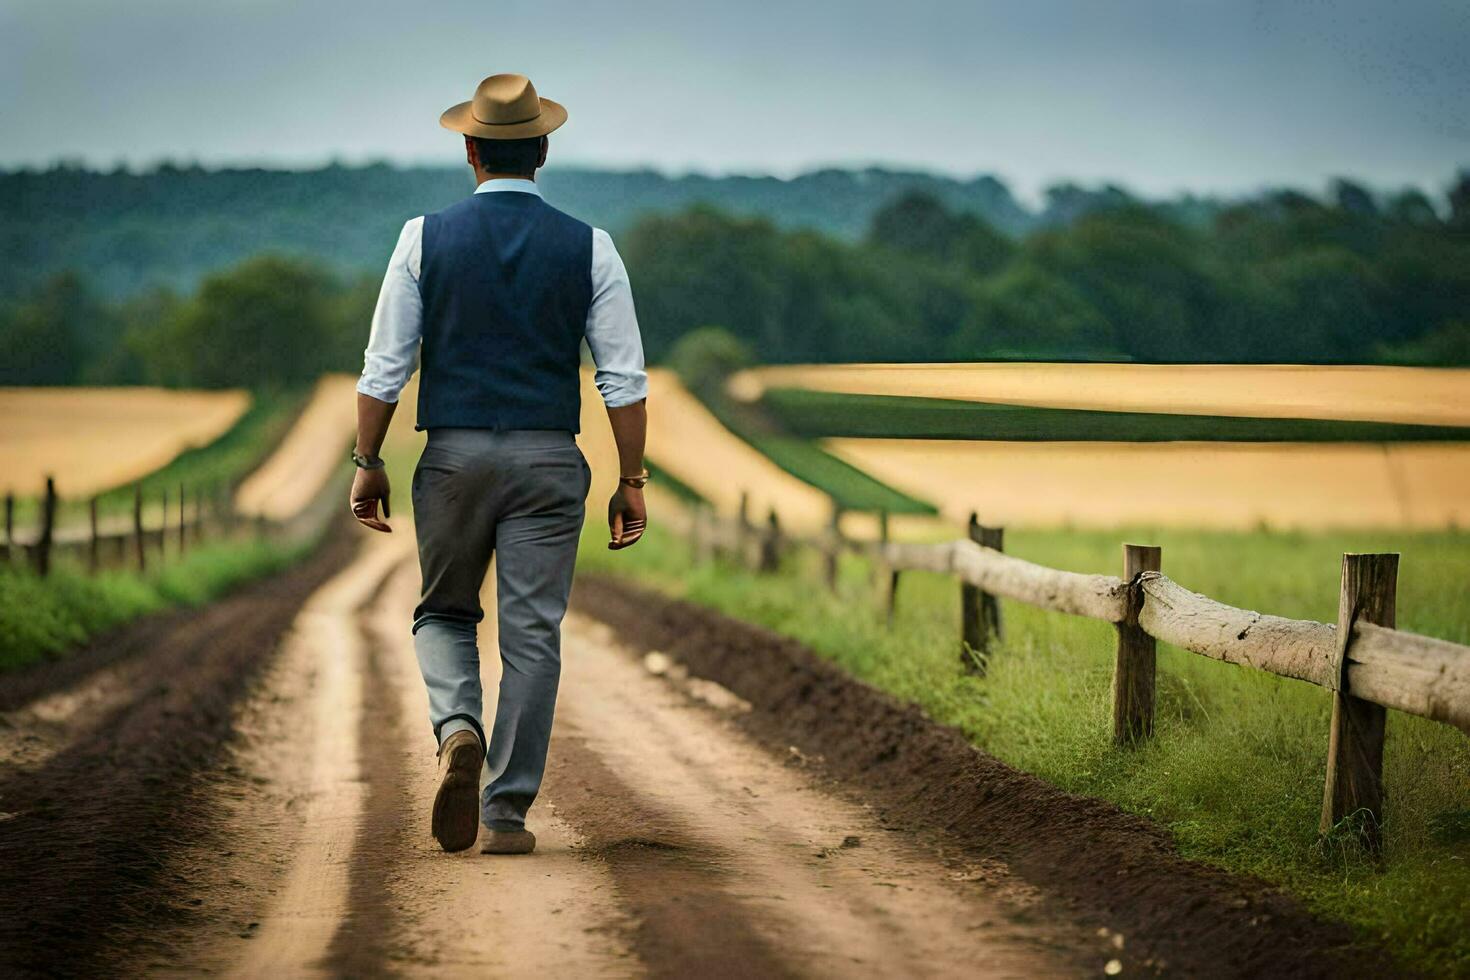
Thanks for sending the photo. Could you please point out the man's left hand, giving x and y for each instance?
(627, 517)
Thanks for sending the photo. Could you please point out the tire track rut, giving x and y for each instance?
(89, 825)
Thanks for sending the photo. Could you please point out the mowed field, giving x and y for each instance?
(92, 439)
(1431, 396)
(1181, 484)
(1224, 485)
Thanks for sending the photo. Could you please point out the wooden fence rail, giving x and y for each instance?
(1290, 647)
(184, 519)
(1367, 664)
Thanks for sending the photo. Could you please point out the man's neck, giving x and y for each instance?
(482, 177)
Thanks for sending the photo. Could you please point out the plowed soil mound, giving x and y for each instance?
(84, 835)
(1097, 863)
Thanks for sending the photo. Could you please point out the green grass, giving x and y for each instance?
(849, 487)
(1235, 770)
(45, 618)
(820, 414)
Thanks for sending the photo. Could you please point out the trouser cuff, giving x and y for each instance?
(459, 723)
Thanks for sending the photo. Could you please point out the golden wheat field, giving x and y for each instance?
(91, 439)
(1208, 485)
(1214, 485)
(690, 443)
(1433, 396)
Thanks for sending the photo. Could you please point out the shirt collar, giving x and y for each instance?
(508, 184)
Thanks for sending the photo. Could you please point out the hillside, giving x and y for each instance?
(125, 232)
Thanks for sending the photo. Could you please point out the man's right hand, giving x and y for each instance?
(369, 487)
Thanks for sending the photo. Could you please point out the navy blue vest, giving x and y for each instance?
(506, 281)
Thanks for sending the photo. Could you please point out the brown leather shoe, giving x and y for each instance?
(508, 842)
(456, 820)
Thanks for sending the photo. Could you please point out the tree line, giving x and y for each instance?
(1282, 278)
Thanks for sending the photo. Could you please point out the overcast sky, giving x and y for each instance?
(1160, 95)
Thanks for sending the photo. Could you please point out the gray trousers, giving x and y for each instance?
(518, 496)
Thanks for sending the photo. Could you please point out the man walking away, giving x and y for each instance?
(494, 296)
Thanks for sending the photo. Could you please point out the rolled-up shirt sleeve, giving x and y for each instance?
(612, 328)
(392, 353)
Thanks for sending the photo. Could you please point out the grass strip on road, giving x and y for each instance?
(1235, 771)
(820, 414)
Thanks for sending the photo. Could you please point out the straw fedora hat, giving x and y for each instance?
(505, 107)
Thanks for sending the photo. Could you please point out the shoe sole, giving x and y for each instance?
(456, 819)
(509, 842)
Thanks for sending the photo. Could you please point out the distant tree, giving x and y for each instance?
(349, 320)
(706, 356)
(122, 363)
(1411, 206)
(918, 223)
(1026, 311)
(1067, 203)
(1353, 198)
(1447, 346)
(1146, 276)
(266, 322)
(703, 267)
(1333, 306)
(44, 336)
(1459, 198)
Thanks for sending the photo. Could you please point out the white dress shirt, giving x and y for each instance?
(612, 327)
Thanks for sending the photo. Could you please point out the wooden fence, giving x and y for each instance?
(136, 536)
(1367, 664)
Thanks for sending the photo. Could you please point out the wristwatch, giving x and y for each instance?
(367, 462)
(636, 482)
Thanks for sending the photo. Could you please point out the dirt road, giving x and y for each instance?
(245, 792)
(668, 842)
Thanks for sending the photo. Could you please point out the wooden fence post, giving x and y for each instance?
(742, 530)
(1134, 666)
(890, 595)
(9, 525)
(48, 527)
(94, 557)
(834, 546)
(138, 527)
(979, 610)
(1354, 787)
(183, 521)
(887, 574)
(770, 555)
(163, 530)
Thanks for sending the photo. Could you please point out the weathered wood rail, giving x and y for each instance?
(142, 538)
(1366, 663)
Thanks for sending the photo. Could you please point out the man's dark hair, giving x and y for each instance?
(509, 156)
